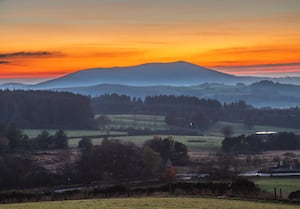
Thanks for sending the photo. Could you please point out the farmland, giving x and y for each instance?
(71, 133)
(287, 185)
(157, 122)
(207, 140)
(200, 146)
(152, 203)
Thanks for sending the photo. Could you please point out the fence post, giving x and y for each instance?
(280, 193)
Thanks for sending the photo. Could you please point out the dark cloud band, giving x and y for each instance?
(263, 65)
(27, 54)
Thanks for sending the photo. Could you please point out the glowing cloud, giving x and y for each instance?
(226, 35)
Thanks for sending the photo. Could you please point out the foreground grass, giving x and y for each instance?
(152, 203)
(286, 184)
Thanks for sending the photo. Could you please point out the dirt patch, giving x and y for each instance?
(55, 160)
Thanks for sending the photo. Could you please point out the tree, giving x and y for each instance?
(177, 119)
(249, 123)
(85, 143)
(4, 144)
(227, 131)
(168, 148)
(112, 160)
(44, 140)
(20, 171)
(151, 161)
(199, 120)
(60, 140)
(14, 136)
(169, 174)
(45, 109)
(103, 122)
(180, 155)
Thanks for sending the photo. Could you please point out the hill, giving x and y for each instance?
(175, 74)
(259, 94)
(177, 78)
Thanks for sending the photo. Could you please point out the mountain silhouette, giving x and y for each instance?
(174, 73)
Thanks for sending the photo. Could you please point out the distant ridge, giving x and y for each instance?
(178, 73)
(260, 94)
(175, 73)
(176, 78)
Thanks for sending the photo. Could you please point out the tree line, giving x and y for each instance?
(61, 110)
(18, 169)
(257, 142)
(234, 188)
(111, 161)
(115, 160)
(13, 140)
(45, 109)
(193, 112)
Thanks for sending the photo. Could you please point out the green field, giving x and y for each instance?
(152, 203)
(210, 139)
(207, 143)
(156, 122)
(239, 129)
(203, 143)
(71, 133)
(287, 185)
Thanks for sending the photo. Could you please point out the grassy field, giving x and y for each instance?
(239, 129)
(287, 185)
(210, 143)
(210, 140)
(193, 143)
(155, 122)
(152, 203)
(71, 133)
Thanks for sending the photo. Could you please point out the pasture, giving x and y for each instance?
(155, 122)
(286, 184)
(152, 203)
(193, 143)
(72, 133)
(208, 140)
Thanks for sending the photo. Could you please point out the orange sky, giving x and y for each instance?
(49, 38)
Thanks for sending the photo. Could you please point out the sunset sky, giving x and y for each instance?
(41, 39)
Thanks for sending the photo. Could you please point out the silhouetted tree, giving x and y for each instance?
(60, 140)
(168, 148)
(85, 143)
(151, 161)
(227, 131)
(103, 122)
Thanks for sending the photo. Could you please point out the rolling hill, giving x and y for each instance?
(259, 94)
(175, 74)
(177, 78)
